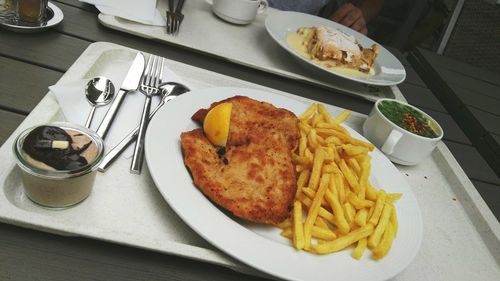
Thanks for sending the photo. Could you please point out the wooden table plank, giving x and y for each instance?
(20, 94)
(489, 121)
(478, 87)
(452, 131)
(47, 49)
(494, 141)
(491, 195)
(496, 138)
(472, 98)
(413, 78)
(473, 163)
(491, 149)
(421, 97)
(77, 4)
(55, 257)
(10, 121)
(476, 124)
(461, 68)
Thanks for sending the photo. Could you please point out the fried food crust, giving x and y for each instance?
(252, 120)
(255, 177)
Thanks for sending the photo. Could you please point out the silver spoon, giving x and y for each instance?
(169, 91)
(99, 91)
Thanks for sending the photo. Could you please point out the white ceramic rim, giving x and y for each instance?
(59, 174)
(256, 245)
(404, 130)
(311, 19)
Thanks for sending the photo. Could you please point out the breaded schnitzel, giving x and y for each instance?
(253, 176)
(252, 120)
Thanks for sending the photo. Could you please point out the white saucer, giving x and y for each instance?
(54, 17)
(231, 19)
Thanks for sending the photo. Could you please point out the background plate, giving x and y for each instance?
(261, 246)
(388, 69)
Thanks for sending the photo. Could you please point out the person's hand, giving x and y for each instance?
(350, 16)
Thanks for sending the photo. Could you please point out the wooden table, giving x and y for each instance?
(32, 62)
(472, 98)
(471, 95)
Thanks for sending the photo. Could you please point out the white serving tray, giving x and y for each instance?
(460, 239)
(248, 45)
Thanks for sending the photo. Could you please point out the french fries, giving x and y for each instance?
(298, 228)
(336, 206)
(343, 241)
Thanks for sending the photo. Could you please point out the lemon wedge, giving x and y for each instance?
(216, 123)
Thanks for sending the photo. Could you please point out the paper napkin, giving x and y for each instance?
(76, 108)
(143, 11)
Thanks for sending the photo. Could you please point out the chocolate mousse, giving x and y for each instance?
(46, 149)
(58, 163)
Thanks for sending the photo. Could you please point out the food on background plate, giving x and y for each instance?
(253, 175)
(336, 206)
(334, 49)
(58, 163)
(408, 118)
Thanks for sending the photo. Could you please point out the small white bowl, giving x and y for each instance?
(398, 144)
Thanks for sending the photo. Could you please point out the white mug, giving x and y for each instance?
(238, 11)
(399, 145)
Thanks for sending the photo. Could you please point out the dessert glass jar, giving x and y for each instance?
(58, 163)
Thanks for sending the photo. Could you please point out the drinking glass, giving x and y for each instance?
(31, 11)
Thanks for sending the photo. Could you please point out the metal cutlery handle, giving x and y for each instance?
(124, 143)
(180, 4)
(89, 118)
(170, 17)
(137, 160)
(117, 150)
(110, 115)
(178, 17)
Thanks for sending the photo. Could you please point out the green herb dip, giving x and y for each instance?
(407, 118)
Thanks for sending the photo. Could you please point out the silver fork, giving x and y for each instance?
(170, 17)
(150, 81)
(178, 16)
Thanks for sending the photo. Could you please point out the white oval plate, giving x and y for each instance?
(261, 246)
(388, 69)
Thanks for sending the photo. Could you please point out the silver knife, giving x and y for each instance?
(118, 149)
(131, 83)
(170, 90)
